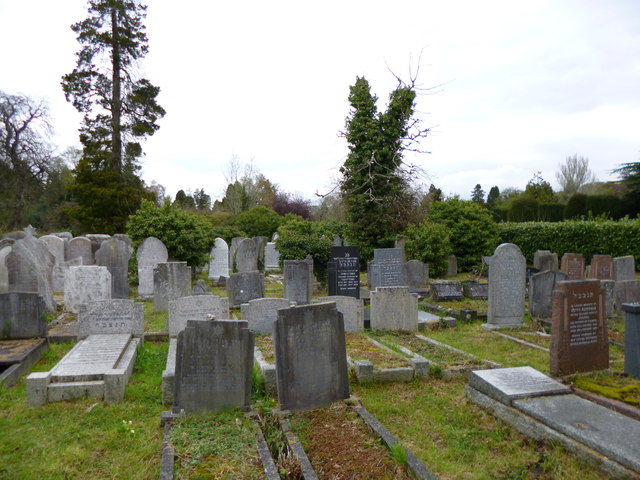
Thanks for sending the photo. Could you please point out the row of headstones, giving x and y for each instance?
(603, 267)
(244, 255)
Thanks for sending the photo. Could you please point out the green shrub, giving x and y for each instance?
(523, 209)
(429, 242)
(550, 212)
(260, 221)
(607, 205)
(576, 207)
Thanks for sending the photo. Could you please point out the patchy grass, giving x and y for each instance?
(477, 305)
(265, 345)
(154, 321)
(360, 348)
(609, 384)
(273, 287)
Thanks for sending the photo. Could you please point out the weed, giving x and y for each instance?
(399, 454)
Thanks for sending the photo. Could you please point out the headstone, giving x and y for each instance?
(298, 281)
(124, 237)
(395, 309)
(171, 280)
(80, 247)
(579, 340)
(446, 291)
(4, 271)
(22, 315)
(200, 288)
(452, 266)
(416, 273)
(337, 241)
(111, 317)
(311, 357)
(632, 339)
(246, 256)
(626, 291)
(214, 361)
(476, 291)
(235, 241)
(540, 288)
(262, 312)
(55, 245)
(386, 268)
(343, 272)
(60, 272)
(84, 284)
(150, 253)
(219, 260)
(572, 265)
(608, 296)
(601, 267)
(507, 284)
(545, 260)
(115, 254)
(195, 307)
(352, 310)
(96, 240)
(624, 268)
(243, 287)
(401, 242)
(261, 243)
(271, 257)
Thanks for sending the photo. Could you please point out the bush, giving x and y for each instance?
(260, 221)
(607, 205)
(523, 209)
(576, 207)
(550, 212)
(429, 242)
(472, 231)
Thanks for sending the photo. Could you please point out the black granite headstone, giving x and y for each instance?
(343, 271)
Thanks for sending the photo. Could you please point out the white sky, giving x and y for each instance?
(519, 85)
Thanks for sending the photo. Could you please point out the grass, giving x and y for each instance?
(154, 321)
(611, 385)
(360, 348)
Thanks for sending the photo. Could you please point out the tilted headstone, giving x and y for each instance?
(572, 265)
(386, 268)
(150, 253)
(262, 312)
(452, 266)
(271, 257)
(507, 284)
(22, 315)
(195, 307)
(545, 260)
(235, 241)
(111, 317)
(579, 340)
(446, 291)
(80, 247)
(540, 287)
(115, 254)
(624, 268)
(4, 271)
(219, 260)
(84, 284)
(171, 280)
(631, 339)
(416, 273)
(298, 281)
(311, 356)
(246, 256)
(96, 240)
(60, 272)
(476, 291)
(55, 245)
(243, 287)
(395, 309)
(261, 243)
(343, 272)
(626, 291)
(352, 310)
(214, 361)
(601, 267)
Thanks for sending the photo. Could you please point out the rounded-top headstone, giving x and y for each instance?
(507, 283)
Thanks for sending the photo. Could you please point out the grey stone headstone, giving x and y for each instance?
(395, 309)
(243, 287)
(443, 291)
(80, 247)
(219, 260)
(386, 268)
(214, 361)
(171, 280)
(311, 356)
(416, 273)
(200, 288)
(86, 284)
(55, 245)
(632, 339)
(115, 254)
(452, 266)
(540, 287)
(60, 272)
(96, 240)
(626, 291)
(235, 241)
(352, 310)
(271, 257)
(608, 288)
(4, 271)
(298, 281)
(337, 241)
(624, 268)
(476, 291)
(195, 307)
(109, 317)
(507, 283)
(150, 253)
(22, 315)
(262, 312)
(545, 260)
(343, 272)
(246, 256)
(260, 243)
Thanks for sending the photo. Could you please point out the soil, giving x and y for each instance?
(360, 348)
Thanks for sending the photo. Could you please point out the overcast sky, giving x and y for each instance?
(511, 87)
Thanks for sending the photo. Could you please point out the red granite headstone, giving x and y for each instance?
(572, 265)
(601, 267)
(579, 341)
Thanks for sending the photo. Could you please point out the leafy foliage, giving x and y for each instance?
(630, 178)
(429, 242)
(576, 207)
(259, 221)
(494, 195)
(539, 189)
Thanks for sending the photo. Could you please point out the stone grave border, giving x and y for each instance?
(464, 315)
(365, 371)
(21, 364)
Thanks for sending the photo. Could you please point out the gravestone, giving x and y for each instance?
(246, 256)
(219, 260)
(80, 247)
(195, 307)
(200, 288)
(540, 287)
(261, 243)
(115, 254)
(243, 287)
(55, 245)
(401, 242)
(545, 260)
(171, 280)
(416, 273)
(601, 267)
(624, 268)
(22, 315)
(352, 310)
(626, 291)
(311, 365)
(60, 272)
(111, 317)
(4, 272)
(343, 272)
(632, 339)
(84, 284)
(214, 361)
(271, 257)
(579, 340)
(446, 291)
(572, 265)
(507, 284)
(608, 296)
(386, 268)
(298, 281)
(235, 241)
(150, 253)
(452, 266)
(262, 312)
(337, 241)
(96, 240)
(476, 291)
(395, 309)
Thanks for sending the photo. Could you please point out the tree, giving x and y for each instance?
(184, 201)
(375, 179)
(630, 178)
(574, 174)
(539, 189)
(493, 197)
(202, 200)
(119, 109)
(477, 194)
(429, 242)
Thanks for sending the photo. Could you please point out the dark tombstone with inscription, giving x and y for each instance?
(476, 291)
(540, 287)
(572, 265)
(632, 339)
(579, 341)
(311, 356)
(214, 360)
(343, 272)
(22, 315)
(444, 291)
(386, 269)
(601, 267)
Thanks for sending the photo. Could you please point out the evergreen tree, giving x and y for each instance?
(493, 197)
(630, 178)
(477, 194)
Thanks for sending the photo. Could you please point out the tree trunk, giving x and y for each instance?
(116, 101)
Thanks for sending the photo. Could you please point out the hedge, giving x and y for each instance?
(616, 238)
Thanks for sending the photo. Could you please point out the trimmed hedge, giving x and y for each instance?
(616, 238)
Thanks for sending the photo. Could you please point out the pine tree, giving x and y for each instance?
(477, 194)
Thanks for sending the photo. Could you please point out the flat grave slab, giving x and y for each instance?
(17, 356)
(91, 358)
(14, 351)
(610, 433)
(509, 384)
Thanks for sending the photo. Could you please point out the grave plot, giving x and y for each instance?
(16, 356)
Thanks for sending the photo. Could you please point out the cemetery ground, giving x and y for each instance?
(431, 417)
